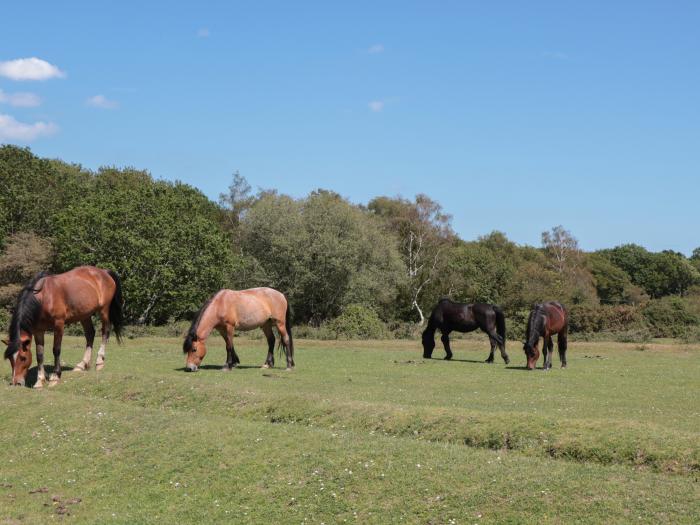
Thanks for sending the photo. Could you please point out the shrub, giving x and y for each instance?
(358, 322)
(669, 317)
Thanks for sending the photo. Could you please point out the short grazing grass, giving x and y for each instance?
(363, 432)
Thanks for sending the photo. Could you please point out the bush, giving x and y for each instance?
(516, 325)
(358, 322)
(669, 317)
(4, 320)
(605, 318)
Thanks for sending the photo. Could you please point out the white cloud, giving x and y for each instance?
(100, 101)
(376, 48)
(203, 32)
(19, 99)
(29, 69)
(376, 105)
(13, 130)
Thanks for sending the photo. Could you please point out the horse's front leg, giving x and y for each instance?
(548, 348)
(41, 374)
(231, 356)
(446, 343)
(55, 376)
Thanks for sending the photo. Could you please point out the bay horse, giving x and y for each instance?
(50, 302)
(448, 316)
(231, 310)
(546, 319)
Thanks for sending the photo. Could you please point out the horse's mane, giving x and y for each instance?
(537, 310)
(27, 311)
(192, 332)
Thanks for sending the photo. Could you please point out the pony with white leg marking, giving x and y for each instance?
(50, 302)
(231, 310)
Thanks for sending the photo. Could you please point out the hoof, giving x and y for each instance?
(289, 369)
(489, 361)
(448, 357)
(39, 383)
(99, 366)
(265, 366)
(54, 380)
(226, 368)
(81, 367)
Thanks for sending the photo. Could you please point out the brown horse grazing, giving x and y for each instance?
(230, 310)
(546, 319)
(49, 302)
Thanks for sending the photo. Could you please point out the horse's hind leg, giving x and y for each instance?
(55, 376)
(286, 343)
(270, 336)
(101, 355)
(489, 359)
(41, 375)
(446, 343)
(89, 330)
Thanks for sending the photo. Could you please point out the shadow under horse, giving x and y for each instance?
(448, 316)
(546, 319)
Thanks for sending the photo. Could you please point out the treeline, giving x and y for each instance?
(349, 270)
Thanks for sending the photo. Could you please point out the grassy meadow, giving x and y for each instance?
(359, 432)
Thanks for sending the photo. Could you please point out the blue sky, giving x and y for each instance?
(516, 116)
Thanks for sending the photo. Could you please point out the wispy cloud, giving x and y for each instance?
(203, 32)
(376, 105)
(558, 55)
(29, 69)
(13, 130)
(20, 99)
(376, 48)
(102, 102)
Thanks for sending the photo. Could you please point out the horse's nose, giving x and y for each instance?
(18, 382)
(190, 367)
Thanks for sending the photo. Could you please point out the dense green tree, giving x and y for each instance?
(425, 236)
(659, 274)
(163, 238)
(324, 252)
(33, 190)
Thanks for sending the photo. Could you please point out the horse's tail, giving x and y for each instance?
(500, 326)
(288, 327)
(116, 307)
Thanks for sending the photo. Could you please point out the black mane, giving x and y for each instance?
(27, 311)
(532, 324)
(192, 332)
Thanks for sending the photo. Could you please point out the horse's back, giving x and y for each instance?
(253, 307)
(77, 293)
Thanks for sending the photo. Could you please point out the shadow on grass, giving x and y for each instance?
(33, 373)
(219, 367)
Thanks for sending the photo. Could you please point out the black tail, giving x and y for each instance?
(116, 307)
(500, 326)
(288, 327)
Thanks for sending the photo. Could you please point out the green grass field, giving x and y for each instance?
(360, 432)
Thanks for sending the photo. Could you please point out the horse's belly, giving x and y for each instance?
(251, 321)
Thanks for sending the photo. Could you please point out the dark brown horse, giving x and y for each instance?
(449, 316)
(50, 302)
(546, 319)
(230, 310)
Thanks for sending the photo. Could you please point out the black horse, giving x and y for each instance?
(448, 316)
